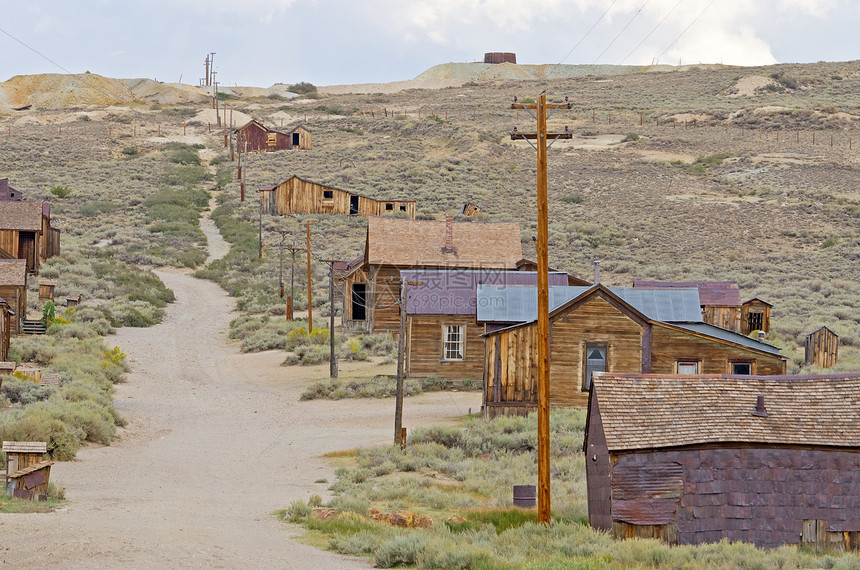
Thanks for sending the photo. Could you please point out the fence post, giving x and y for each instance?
(673, 122)
(798, 135)
(831, 141)
(640, 118)
(184, 129)
(610, 118)
(135, 131)
(109, 130)
(813, 138)
(742, 129)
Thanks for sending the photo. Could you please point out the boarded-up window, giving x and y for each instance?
(595, 361)
(756, 321)
(688, 367)
(453, 343)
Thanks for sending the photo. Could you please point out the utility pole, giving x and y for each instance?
(544, 510)
(293, 251)
(310, 279)
(401, 349)
(332, 357)
(217, 106)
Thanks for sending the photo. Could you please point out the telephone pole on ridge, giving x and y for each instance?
(541, 107)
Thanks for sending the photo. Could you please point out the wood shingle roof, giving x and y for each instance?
(22, 216)
(642, 411)
(415, 243)
(13, 272)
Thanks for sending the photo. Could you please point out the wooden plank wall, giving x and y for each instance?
(425, 348)
(383, 295)
(822, 348)
(669, 345)
(9, 242)
(16, 297)
(728, 318)
(754, 306)
(297, 196)
(50, 243)
(304, 139)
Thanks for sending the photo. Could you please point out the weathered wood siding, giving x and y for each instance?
(669, 345)
(597, 472)
(304, 139)
(425, 348)
(728, 318)
(761, 495)
(755, 306)
(16, 298)
(257, 138)
(822, 348)
(50, 243)
(383, 294)
(298, 196)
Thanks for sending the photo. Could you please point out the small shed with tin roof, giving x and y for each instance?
(770, 460)
(27, 472)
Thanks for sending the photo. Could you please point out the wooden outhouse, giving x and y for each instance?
(7, 193)
(822, 348)
(770, 460)
(13, 289)
(599, 328)
(73, 299)
(27, 472)
(443, 336)
(297, 195)
(755, 316)
(46, 289)
(300, 138)
(396, 244)
(26, 232)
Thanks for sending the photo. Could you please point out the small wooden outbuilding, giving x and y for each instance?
(822, 347)
(300, 138)
(73, 299)
(13, 289)
(27, 472)
(260, 138)
(26, 232)
(46, 289)
(770, 461)
(297, 195)
(7, 193)
(720, 300)
(755, 316)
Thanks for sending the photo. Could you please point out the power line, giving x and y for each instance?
(660, 23)
(685, 29)
(588, 32)
(35, 51)
(622, 30)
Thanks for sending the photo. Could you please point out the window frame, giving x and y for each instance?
(730, 365)
(586, 381)
(461, 343)
(328, 195)
(682, 361)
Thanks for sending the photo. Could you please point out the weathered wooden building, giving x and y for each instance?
(396, 244)
(443, 337)
(696, 459)
(822, 347)
(598, 328)
(260, 138)
(13, 290)
(26, 232)
(27, 472)
(755, 316)
(7, 193)
(297, 195)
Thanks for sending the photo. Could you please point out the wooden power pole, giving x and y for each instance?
(544, 507)
(293, 251)
(332, 358)
(310, 280)
(401, 364)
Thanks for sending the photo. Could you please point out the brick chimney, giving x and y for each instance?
(449, 235)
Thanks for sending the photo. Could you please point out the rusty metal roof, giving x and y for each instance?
(416, 243)
(711, 293)
(643, 411)
(22, 216)
(25, 446)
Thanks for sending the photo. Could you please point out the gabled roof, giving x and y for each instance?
(520, 305)
(273, 186)
(261, 125)
(455, 291)
(643, 411)
(711, 293)
(22, 216)
(13, 272)
(823, 328)
(757, 299)
(302, 127)
(416, 243)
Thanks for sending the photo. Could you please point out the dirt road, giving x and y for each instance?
(216, 441)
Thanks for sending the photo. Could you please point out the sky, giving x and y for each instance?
(327, 42)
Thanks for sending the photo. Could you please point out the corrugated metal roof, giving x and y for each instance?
(454, 291)
(717, 332)
(712, 293)
(519, 305)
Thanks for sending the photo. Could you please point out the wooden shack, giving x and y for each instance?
(470, 209)
(27, 472)
(73, 299)
(260, 138)
(395, 244)
(26, 232)
(297, 195)
(616, 329)
(46, 289)
(300, 138)
(822, 348)
(720, 300)
(13, 289)
(443, 336)
(755, 316)
(7, 193)
(770, 461)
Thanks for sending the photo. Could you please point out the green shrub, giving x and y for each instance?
(185, 156)
(130, 151)
(60, 191)
(96, 208)
(24, 392)
(302, 88)
(402, 550)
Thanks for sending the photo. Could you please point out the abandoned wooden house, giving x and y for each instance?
(26, 233)
(46, 289)
(721, 304)
(27, 472)
(598, 328)
(7, 193)
(13, 290)
(470, 209)
(297, 195)
(695, 459)
(260, 138)
(822, 348)
(443, 337)
(395, 244)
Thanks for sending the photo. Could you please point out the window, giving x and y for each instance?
(402, 208)
(756, 321)
(328, 194)
(453, 342)
(595, 361)
(688, 367)
(389, 207)
(359, 296)
(741, 368)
